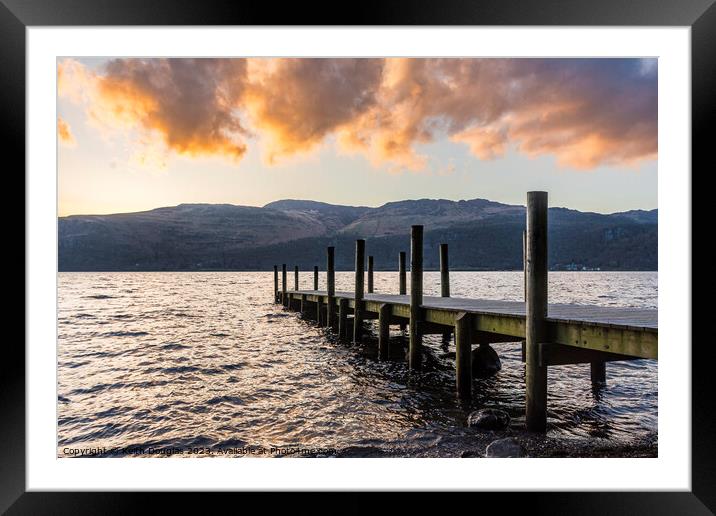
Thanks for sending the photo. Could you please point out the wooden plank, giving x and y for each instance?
(558, 354)
(506, 318)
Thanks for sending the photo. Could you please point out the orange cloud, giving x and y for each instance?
(64, 133)
(296, 103)
(584, 112)
(185, 104)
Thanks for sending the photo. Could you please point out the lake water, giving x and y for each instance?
(157, 363)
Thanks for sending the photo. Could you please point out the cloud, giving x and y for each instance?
(585, 112)
(64, 133)
(185, 105)
(296, 103)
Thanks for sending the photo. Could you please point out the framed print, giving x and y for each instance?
(429, 248)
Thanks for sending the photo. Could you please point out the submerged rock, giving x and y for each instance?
(485, 362)
(506, 447)
(489, 419)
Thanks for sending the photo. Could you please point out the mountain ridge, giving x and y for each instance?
(483, 235)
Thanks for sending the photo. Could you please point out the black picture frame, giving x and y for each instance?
(17, 15)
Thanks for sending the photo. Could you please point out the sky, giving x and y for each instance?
(136, 134)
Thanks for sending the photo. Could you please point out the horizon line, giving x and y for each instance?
(334, 204)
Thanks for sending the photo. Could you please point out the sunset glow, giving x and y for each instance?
(395, 116)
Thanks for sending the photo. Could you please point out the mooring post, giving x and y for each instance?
(599, 374)
(330, 286)
(401, 280)
(284, 299)
(444, 281)
(416, 295)
(463, 354)
(401, 274)
(275, 283)
(342, 318)
(370, 274)
(524, 263)
(295, 278)
(536, 311)
(444, 271)
(315, 277)
(384, 331)
(359, 286)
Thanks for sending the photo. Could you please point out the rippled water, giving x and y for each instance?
(152, 362)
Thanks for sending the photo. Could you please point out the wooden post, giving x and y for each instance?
(599, 374)
(401, 280)
(342, 318)
(463, 354)
(359, 286)
(295, 278)
(524, 263)
(416, 295)
(384, 331)
(370, 274)
(330, 286)
(536, 311)
(401, 273)
(275, 283)
(284, 299)
(444, 271)
(315, 277)
(444, 282)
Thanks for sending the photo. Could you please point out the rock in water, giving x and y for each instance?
(489, 419)
(485, 362)
(506, 447)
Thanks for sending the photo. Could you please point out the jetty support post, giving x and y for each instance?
(599, 374)
(444, 271)
(536, 311)
(401, 274)
(284, 299)
(370, 274)
(416, 296)
(295, 278)
(330, 286)
(343, 318)
(402, 283)
(275, 283)
(384, 314)
(463, 354)
(315, 277)
(359, 290)
(444, 281)
(524, 263)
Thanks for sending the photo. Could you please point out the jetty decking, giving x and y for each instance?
(551, 335)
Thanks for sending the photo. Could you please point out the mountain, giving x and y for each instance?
(482, 234)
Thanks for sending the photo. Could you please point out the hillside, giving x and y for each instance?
(483, 235)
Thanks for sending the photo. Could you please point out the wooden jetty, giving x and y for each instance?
(550, 334)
